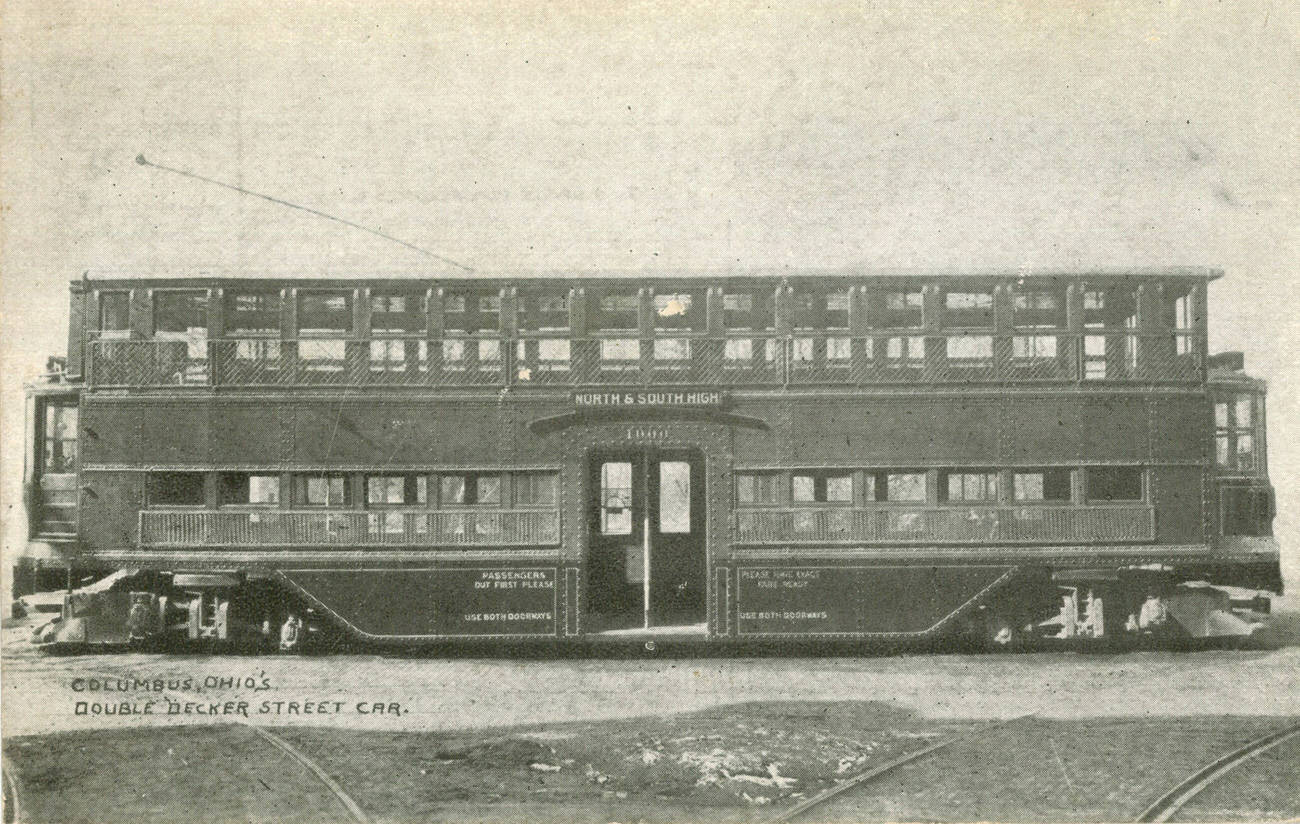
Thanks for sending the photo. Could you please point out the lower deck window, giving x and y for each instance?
(321, 490)
(236, 488)
(396, 490)
(758, 488)
(821, 488)
(901, 486)
(970, 487)
(469, 489)
(1041, 485)
(174, 489)
(535, 488)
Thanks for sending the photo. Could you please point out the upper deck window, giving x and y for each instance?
(1185, 322)
(397, 312)
(543, 311)
(749, 310)
(1109, 306)
(469, 312)
(680, 311)
(821, 310)
(968, 310)
(617, 310)
(325, 312)
(1038, 308)
(252, 312)
(180, 312)
(115, 314)
(900, 310)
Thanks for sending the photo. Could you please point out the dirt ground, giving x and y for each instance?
(645, 738)
(734, 764)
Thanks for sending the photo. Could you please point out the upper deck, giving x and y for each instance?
(754, 329)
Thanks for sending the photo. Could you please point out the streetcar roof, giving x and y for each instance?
(207, 275)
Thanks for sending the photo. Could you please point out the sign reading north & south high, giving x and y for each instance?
(688, 398)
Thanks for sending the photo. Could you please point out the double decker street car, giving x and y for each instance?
(726, 456)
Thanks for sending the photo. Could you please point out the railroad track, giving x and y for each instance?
(875, 772)
(344, 800)
(13, 813)
(1163, 809)
(1167, 806)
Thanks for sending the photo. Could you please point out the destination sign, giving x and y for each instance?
(691, 398)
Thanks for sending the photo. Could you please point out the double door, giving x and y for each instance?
(646, 566)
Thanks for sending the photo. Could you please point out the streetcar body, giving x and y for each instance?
(738, 456)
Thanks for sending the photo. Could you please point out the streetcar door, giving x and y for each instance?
(646, 565)
(677, 562)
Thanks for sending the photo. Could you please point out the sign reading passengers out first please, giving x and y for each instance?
(688, 398)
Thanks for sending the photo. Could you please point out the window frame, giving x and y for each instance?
(300, 488)
(1143, 485)
(470, 480)
(223, 478)
(153, 476)
(347, 313)
(773, 480)
(821, 479)
(102, 299)
(232, 313)
(992, 486)
(1045, 471)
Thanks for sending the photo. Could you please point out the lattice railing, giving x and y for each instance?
(736, 360)
(1025, 524)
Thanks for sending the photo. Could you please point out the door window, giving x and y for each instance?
(616, 498)
(674, 497)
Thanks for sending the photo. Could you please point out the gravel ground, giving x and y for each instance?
(687, 738)
(737, 764)
(41, 693)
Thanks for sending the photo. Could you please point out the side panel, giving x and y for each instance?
(839, 600)
(110, 502)
(245, 433)
(174, 434)
(438, 602)
(1177, 494)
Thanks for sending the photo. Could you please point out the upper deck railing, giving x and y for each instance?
(755, 360)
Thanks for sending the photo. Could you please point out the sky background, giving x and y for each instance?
(590, 135)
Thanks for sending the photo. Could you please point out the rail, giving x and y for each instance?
(745, 360)
(923, 525)
(275, 527)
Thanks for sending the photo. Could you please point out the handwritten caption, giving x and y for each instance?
(132, 696)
